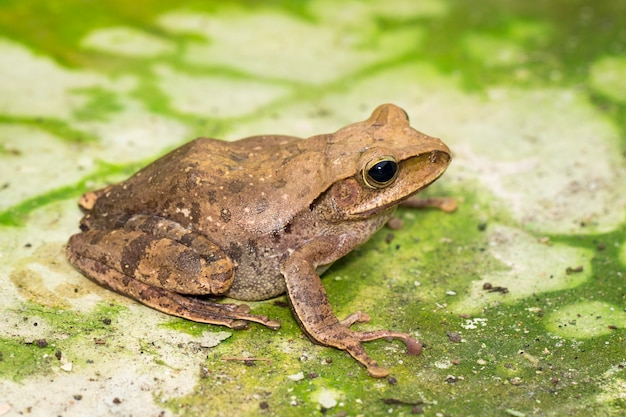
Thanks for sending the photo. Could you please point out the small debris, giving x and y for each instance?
(443, 364)
(41, 343)
(117, 401)
(248, 361)
(601, 246)
(263, 405)
(58, 354)
(569, 270)
(489, 287)
(515, 381)
(212, 339)
(297, 377)
(78, 397)
(67, 367)
(327, 399)
(204, 372)
(533, 360)
(474, 323)
(395, 401)
(514, 413)
(392, 381)
(106, 321)
(389, 238)
(482, 227)
(454, 337)
(451, 379)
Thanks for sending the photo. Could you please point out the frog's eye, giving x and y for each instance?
(379, 173)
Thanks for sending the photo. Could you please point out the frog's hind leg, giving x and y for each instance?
(155, 270)
(230, 315)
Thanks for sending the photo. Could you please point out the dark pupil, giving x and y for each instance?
(383, 171)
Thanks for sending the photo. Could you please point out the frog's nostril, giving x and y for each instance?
(438, 156)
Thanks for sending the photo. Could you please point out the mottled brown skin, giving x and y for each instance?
(256, 218)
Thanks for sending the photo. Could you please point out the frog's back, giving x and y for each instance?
(215, 186)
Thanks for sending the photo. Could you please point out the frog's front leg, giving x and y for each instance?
(155, 261)
(314, 313)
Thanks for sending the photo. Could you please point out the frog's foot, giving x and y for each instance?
(353, 345)
(235, 316)
(447, 204)
(356, 317)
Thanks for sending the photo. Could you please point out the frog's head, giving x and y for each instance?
(391, 161)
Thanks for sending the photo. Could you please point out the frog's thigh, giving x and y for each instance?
(157, 261)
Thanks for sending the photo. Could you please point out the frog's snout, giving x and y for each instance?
(435, 156)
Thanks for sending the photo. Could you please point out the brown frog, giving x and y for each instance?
(255, 218)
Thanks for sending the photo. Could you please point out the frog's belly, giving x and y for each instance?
(257, 274)
(254, 284)
(256, 290)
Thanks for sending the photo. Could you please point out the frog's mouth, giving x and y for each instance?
(414, 174)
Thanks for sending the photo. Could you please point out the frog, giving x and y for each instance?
(256, 218)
